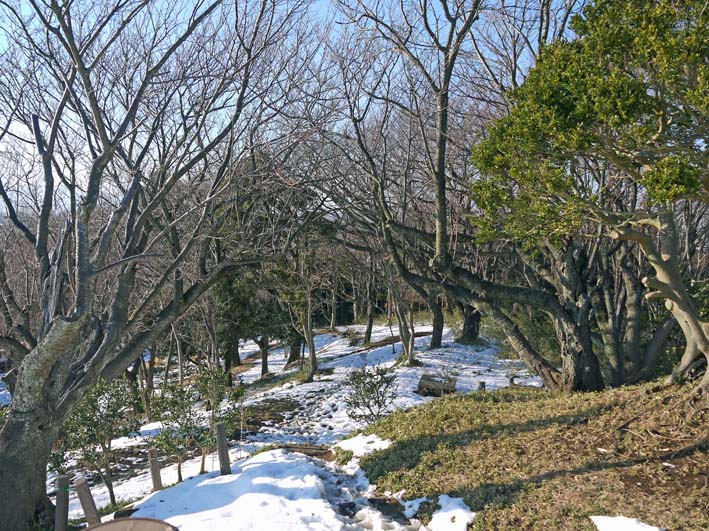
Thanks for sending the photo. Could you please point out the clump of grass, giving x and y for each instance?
(549, 460)
(342, 457)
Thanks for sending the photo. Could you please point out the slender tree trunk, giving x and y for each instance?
(407, 355)
(180, 356)
(227, 368)
(370, 312)
(333, 309)
(437, 313)
(262, 343)
(168, 362)
(179, 468)
(309, 340)
(108, 480)
(203, 462)
(237, 357)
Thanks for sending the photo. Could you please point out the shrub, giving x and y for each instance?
(372, 391)
(181, 423)
(100, 417)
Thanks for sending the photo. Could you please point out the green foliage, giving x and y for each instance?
(101, 416)
(247, 311)
(371, 393)
(211, 384)
(671, 178)
(342, 457)
(181, 423)
(631, 92)
(3, 415)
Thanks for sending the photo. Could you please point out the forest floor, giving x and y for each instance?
(500, 459)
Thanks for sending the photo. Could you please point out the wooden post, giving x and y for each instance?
(155, 469)
(223, 449)
(87, 502)
(61, 513)
(481, 386)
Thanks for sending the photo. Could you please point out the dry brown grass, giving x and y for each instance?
(546, 461)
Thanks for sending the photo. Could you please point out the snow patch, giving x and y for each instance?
(453, 515)
(621, 523)
(411, 507)
(362, 445)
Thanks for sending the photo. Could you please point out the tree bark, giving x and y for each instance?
(471, 324)
(370, 312)
(25, 446)
(262, 343)
(294, 351)
(333, 309)
(309, 340)
(438, 322)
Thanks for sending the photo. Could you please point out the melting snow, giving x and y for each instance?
(621, 523)
(280, 490)
(453, 515)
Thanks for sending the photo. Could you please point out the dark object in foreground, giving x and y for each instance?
(135, 524)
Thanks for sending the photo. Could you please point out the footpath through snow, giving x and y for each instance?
(281, 490)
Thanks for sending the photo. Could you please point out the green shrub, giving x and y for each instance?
(372, 391)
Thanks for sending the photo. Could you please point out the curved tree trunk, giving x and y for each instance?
(668, 284)
(25, 446)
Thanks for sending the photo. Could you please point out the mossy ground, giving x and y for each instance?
(543, 460)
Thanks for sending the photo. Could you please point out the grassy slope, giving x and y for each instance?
(543, 460)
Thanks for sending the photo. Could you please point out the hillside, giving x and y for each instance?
(526, 459)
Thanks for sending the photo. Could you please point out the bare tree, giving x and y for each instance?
(134, 112)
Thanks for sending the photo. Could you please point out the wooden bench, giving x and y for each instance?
(430, 385)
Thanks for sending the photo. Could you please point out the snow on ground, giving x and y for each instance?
(453, 515)
(621, 523)
(322, 416)
(292, 491)
(5, 397)
(273, 490)
(361, 445)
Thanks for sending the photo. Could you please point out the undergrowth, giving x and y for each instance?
(545, 460)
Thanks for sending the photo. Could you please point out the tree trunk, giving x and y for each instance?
(370, 312)
(107, 478)
(131, 376)
(262, 343)
(179, 468)
(294, 351)
(471, 324)
(437, 312)
(309, 340)
(180, 356)
(580, 369)
(407, 354)
(203, 462)
(333, 309)
(25, 445)
(227, 368)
